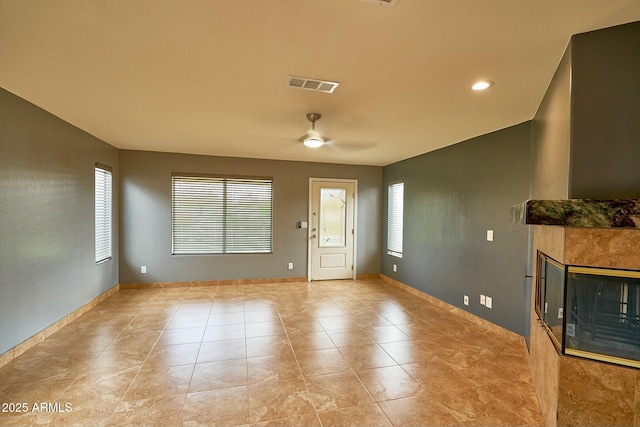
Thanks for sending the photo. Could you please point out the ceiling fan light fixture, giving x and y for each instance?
(313, 142)
(313, 139)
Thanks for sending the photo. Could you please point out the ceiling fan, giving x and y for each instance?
(313, 139)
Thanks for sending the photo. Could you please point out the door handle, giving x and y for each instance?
(313, 236)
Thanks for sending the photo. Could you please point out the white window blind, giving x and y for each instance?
(217, 215)
(395, 219)
(103, 201)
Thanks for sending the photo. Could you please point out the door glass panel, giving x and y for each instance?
(333, 229)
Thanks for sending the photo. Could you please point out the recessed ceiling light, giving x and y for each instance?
(482, 85)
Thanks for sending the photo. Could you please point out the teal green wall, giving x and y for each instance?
(146, 217)
(451, 198)
(47, 255)
(605, 114)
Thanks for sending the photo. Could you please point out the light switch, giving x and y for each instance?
(490, 235)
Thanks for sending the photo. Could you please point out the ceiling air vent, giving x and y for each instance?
(312, 84)
(389, 3)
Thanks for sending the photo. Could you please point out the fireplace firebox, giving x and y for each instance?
(590, 312)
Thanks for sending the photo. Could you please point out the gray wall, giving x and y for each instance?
(551, 128)
(452, 196)
(47, 267)
(146, 217)
(605, 109)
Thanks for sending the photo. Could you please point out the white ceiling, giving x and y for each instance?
(209, 76)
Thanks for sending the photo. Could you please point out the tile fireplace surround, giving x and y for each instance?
(594, 233)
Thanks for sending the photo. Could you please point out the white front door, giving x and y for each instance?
(332, 230)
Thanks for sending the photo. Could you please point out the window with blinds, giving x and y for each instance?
(221, 215)
(394, 219)
(103, 201)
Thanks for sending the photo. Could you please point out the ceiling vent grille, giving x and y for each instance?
(312, 84)
(389, 3)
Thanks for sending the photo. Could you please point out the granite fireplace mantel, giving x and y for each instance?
(584, 213)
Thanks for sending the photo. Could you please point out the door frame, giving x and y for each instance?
(355, 222)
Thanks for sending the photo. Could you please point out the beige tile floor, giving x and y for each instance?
(339, 353)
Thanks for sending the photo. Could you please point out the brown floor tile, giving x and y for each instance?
(391, 382)
(195, 321)
(233, 318)
(350, 338)
(436, 376)
(336, 323)
(234, 305)
(194, 309)
(399, 317)
(77, 417)
(520, 396)
(306, 341)
(102, 391)
(387, 334)
(225, 407)
(215, 351)
(477, 407)
(151, 383)
(181, 336)
(319, 362)
(277, 399)
(217, 375)
(328, 311)
(134, 342)
(44, 390)
(157, 411)
(366, 357)
(259, 304)
(261, 316)
(418, 411)
(224, 332)
(405, 352)
(273, 368)
(110, 362)
(309, 420)
(235, 355)
(269, 346)
(149, 321)
(172, 355)
(366, 415)
(369, 319)
(263, 329)
(335, 391)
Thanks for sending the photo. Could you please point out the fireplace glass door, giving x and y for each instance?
(550, 296)
(604, 319)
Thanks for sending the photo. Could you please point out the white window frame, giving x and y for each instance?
(395, 218)
(215, 215)
(103, 213)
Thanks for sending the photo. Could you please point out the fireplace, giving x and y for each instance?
(590, 312)
(584, 343)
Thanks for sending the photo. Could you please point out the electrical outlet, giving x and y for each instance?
(143, 269)
(290, 266)
(395, 268)
(482, 299)
(466, 300)
(489, 302)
